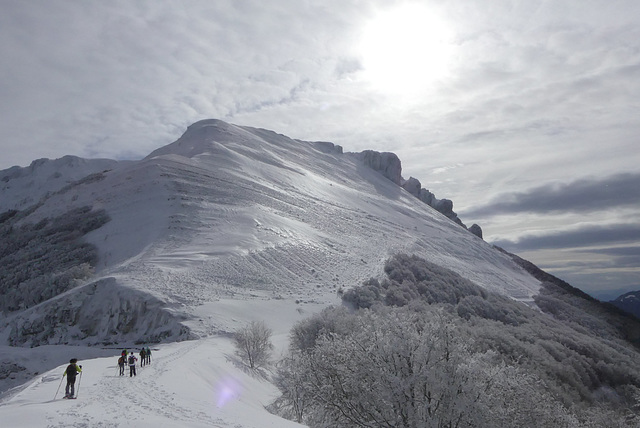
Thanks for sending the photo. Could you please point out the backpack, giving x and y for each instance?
(71, 371)
(132, 359)
(121, 360)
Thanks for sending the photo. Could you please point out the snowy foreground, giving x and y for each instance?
(188, 384)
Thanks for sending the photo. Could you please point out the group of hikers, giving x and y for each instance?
(128, 357)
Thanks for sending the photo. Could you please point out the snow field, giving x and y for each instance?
(189, 384)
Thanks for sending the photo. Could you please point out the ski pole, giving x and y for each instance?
(61, 379)
(79, 380)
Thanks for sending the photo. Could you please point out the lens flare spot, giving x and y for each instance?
(227, 390)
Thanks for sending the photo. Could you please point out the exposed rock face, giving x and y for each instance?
(327, 147)
(387, 164)
(476, 230)
(444, 206)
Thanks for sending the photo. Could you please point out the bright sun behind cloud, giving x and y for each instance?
(405, 49)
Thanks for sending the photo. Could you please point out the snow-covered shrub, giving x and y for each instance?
(576, 348)
(297, 398)
(253, 344)
(305, 334)
(399, 367)
(363, 297)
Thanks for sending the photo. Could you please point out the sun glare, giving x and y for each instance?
(405, 50)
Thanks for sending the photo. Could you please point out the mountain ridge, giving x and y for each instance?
(232, 211)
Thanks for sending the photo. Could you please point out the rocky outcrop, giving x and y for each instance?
(326, 147)
(387, 164)
(444, 206)
(476, 230)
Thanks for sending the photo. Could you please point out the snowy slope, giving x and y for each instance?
(226, 225)
(189, 384)
(242, 212)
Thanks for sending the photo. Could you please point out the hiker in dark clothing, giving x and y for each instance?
(148, 354)
(143, 357)
(71, 372)
(132, 364)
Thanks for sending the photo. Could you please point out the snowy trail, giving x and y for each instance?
(188, 384)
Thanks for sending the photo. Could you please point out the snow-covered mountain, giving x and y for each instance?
(232, 212)
(226, 225)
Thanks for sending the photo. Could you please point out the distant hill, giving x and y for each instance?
(629, 302)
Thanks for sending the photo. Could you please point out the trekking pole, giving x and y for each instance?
(61, 379)
(79, 380)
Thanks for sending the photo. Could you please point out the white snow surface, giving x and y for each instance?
(22, 187)
(196, 383)
(226, 225)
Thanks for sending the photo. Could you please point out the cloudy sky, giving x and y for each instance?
(525, 113)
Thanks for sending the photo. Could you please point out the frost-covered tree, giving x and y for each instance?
(425, 347)
(392, 368)
(297, 395)
(253, 344)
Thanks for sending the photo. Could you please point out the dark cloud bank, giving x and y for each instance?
(611, 249)
(584, 195)
(592, 235)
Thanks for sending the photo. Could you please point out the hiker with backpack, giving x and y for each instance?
(132, 365)
(121, 362)
(71, 372)
(148, 354)
(143, 357)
